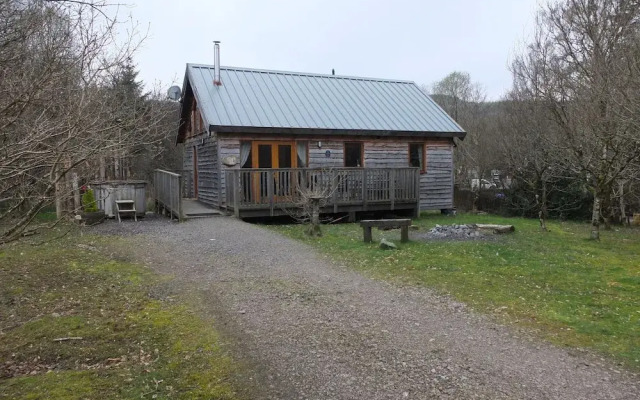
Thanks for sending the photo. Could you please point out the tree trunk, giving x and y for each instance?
(59, 196)
(76, 192)
(542, 214)
(595, 218)
(606, 211)
(476, 196)
(103, 169)
(314, 228)
(623, 209)
(116, 167)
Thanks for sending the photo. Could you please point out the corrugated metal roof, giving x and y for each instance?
(278, 99)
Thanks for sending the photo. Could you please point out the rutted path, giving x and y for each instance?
(312, 329)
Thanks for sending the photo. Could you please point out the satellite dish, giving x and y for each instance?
(174, 93)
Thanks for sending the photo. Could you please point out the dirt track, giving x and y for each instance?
(311, 329)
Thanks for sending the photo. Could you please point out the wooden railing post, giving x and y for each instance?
(236, 187)
(365, 186)
(270, 190)
(334, 190)
(171, 197)
(416, 174)
(392, 188)
(181, 187)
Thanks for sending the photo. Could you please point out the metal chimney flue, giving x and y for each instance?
(216, 63)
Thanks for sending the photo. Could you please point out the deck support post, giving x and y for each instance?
(270, 191)
(367, 234)
(171, 198)
(334, 190)
(417, 192)
(180, 192)
(235, 189)
(364, 189)
(392, 188)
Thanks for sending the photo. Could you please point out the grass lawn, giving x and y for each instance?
(120, 342)
(570, 290)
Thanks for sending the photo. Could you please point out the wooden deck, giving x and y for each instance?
(271, 192)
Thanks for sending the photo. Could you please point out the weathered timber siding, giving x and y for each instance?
(386, 154)
(187, 168)
(208, 169)
(318, 156)
(436, 185)
(227, 147)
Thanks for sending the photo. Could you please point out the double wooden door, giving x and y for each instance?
(273, 155)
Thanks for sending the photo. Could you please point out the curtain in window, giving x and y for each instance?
(245, 150)
(301, 150)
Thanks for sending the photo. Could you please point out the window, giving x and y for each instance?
(353, 154)
(302, 151)
(416, 156)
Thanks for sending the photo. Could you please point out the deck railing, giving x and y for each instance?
(168, 188)
(251, 188)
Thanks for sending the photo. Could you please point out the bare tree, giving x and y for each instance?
(532, 160)
(580, 65)
(465, 101)
(312, 190)
(56, 109)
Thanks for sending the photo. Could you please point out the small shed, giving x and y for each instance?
(108, 192)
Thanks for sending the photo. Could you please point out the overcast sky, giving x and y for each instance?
(419, 40)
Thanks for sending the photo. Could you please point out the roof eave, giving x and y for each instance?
(331, 132)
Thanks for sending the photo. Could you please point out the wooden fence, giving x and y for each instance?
(168, 188)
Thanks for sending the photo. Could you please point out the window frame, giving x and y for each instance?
(423, 167)
(344, 153)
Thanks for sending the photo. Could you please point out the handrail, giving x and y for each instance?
(168, 190)
(270, 187)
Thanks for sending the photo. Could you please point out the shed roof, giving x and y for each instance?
(252, 100)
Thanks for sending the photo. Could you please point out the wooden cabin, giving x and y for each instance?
(253, 139)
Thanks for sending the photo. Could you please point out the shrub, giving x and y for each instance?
(89, 201)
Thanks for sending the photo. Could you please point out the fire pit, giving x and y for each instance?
(467, 231)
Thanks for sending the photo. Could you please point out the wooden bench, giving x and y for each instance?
(403, 224)
(126, 207)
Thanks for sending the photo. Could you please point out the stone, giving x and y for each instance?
(387, 245)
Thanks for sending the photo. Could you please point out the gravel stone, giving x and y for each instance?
(317, 330)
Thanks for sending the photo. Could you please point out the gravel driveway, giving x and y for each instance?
(308, 328)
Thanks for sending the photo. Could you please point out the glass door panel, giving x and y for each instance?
(283, 178)
(265, 159)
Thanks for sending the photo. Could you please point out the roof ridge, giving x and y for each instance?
(310, 74)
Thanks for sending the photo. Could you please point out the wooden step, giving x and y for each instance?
(126, 207)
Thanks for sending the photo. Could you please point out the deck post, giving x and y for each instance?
(171, 199)
(270, 190)
(392, 188)
(181, 190)
(235, 189)
(334, 189)
(364, 189)
(417, 192)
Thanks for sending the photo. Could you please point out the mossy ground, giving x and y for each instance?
(131, 346)
(573, 291)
